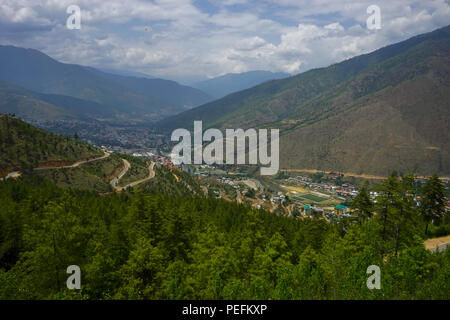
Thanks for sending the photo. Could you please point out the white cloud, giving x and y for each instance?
(180, 39)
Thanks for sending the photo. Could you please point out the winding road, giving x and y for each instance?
(113, 182)
(76, 164)
(151, 175)
(121, 174)
(16, 174)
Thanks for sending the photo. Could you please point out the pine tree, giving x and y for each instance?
(432, 204)
(362, 204)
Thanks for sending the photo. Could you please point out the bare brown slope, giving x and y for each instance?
(394, 129)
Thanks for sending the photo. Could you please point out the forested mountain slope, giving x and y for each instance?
(141, 246)
(24, 147)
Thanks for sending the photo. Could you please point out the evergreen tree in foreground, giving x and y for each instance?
(432, 202)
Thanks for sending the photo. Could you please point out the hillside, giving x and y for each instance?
(169, 241)
(132, 97)
(168, 93)
(383, 111)
(35, 106)
(156, 246)
(28, 105)
(232, 82)
(23, 146)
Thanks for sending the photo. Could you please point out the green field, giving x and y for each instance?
(311, 197)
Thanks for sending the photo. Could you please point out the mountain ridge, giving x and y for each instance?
(322, 78)
(221, 86)
(310, 110)
(38, 72)
(28, 104)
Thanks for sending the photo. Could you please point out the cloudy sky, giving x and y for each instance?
(190, 40)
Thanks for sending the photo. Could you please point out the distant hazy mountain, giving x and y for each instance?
(126, 73)
(233, 82)
(168, 91)
(378, 112)
(137, 98)
(35, 106)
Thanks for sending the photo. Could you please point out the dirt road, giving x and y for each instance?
(76, 164)
(13, 175)
(113, 182)
(16, 174)
(437, 243)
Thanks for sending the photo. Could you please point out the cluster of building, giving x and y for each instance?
(278, 198)
(228, 181)
(163, 161)
(340, 210)
(345, 190)
(143, 154)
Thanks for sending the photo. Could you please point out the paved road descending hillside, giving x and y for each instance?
(151, 175)
(113, 182)
(121, 174)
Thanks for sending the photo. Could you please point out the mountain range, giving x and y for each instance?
(232, 82)
(124, 97)
(375, 113)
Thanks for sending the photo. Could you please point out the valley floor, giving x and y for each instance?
(350, 174)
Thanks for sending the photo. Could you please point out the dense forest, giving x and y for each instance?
(141, 245)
